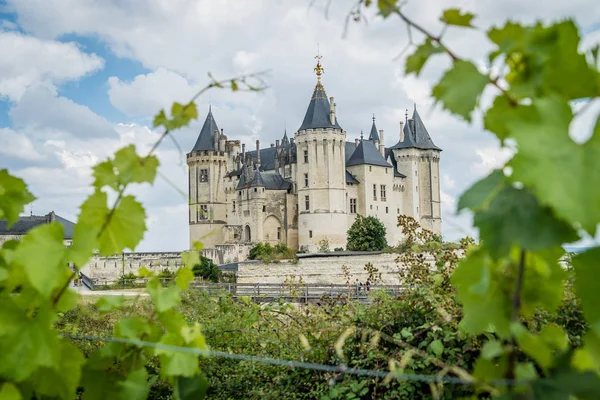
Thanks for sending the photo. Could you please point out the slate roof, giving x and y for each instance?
(206, 139)
(350, 178)
(268, 180)
(267, 158)
(390, 156)
(367, 153)
(25, 224)
(374, 135)
(317, 114)
(416, 135)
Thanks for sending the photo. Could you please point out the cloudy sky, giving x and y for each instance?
(82, 78)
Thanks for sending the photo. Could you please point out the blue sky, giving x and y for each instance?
(85, 78)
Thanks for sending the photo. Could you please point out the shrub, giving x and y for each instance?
(268, 253)
(207, 269)
(366, 234)
(323, 246)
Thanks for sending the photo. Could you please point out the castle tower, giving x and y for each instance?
(419, 158)
(207, 164)
(321, 175)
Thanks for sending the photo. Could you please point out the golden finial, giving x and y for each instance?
(318, 69)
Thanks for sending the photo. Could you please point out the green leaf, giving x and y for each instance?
(190, 388)
(492, 349)
(8, 391)
(479, 195)
(587, 265)
(42, 256)
(13, 197)
(416, 61)
(62, 379)
(26, 343)
(133, 168)
(558, 170)
(176, 363)
(125, 229)
(184, 277)
(460, 88)
(163, 298)
(514, 217)
(543, 284)
(110, 303)
(160, 119)
(436, 347)
(453, 16)
(386, 7)
(132, 328)
(532, 345)
(554, 336)
(190, 258)
(479, 285)
(135, 386)
(494, 119)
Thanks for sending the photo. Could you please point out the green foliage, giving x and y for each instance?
(206, 269)
(366, 234)
(268, 253)
(323, 246)
(36, 361)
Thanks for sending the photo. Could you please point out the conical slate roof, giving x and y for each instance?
(205, 139)
(374, 135)
(367, 153)
(317, 114)
(416, 135)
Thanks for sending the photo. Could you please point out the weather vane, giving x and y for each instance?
(318, 69)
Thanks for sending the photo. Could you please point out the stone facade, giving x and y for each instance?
(311, 187)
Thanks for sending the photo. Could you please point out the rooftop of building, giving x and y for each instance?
(26, 223)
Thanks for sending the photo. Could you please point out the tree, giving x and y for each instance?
(366, 234)
(207, 269)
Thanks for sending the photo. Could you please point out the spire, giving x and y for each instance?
(206, 138)
(318, 114)
(415, 134)
(374, 135)
(361, 134)
(318, 69)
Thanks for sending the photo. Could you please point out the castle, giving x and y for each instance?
(303, 190)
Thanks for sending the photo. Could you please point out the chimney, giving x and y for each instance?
(277, 143)
(239, 161)
(381, 143)
(243, 153)
(401, 131)
(222, 141)
(331, 111)
(272, 145)
(257, 154)
(356, 142)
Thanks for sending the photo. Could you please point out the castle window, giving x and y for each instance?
(398, 211)
(369, 168)
(264, 208)
(203, 175)
(203, 212)
(415, 173)
(305, 155)
(374, 192)
(386, 210)
(278, 233)
(352, 206)
(310, 234)
(305, 180)
(307, 203)
(386, 170)
(371, 206)
(234, 206)
(255, 190)
(383, 193)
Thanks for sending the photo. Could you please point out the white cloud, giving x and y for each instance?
(41, 109)
(28, 60)
(147, 94)
(17, 144)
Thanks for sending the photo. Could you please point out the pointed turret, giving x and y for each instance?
(416, 135)
(374, 135)
(206, 139)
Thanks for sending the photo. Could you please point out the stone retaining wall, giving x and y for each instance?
(322, 270)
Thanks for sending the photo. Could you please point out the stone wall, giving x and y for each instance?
(322, 270)
(113, 267)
